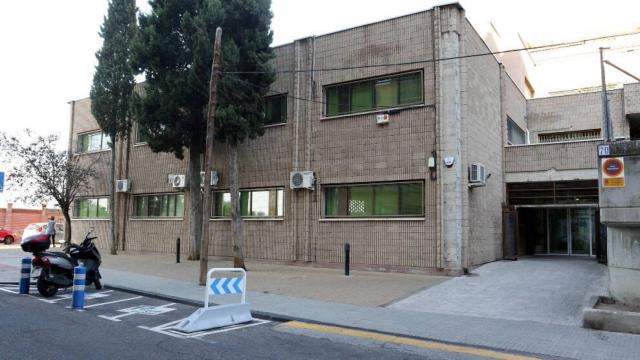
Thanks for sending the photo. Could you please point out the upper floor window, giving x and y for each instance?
(275, 109)
(375, 200)
(141, 136)
(91, 208)
(93, 141)
(592, 134)
(515, 134)
(253, 203)
(158, 205)
(374, 94)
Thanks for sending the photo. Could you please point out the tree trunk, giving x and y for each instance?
(125, 214)
(236, 219)
(195, 205)
(67, 224)
(112, 200)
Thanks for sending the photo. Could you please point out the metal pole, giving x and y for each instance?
(178, 251)
(208, 158)
(347, 250)
(606, 122)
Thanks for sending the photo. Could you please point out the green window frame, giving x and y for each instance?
(402, 199)
(91, 208)
(254, 203)
(93, 141)
(158, 206)
(141, 136)
(275, 109)
(374, 94)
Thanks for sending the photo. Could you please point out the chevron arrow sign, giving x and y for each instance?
(223, 286)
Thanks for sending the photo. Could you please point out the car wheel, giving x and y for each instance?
(45, 288)
(8, 240)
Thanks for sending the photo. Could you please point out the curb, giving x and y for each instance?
(285, 318)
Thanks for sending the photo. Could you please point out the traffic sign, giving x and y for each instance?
(604, 150)
(612, 172)
(222, 286)
(1, 181)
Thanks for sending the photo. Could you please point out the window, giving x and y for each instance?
(375, 94)
(253, 203)
(275, 109)
(91, 208)
(141, 136)
(375, 200)
(94, 141)
(158, 206)
(515, 134)
(592, 134)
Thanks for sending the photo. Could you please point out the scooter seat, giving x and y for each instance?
(60, 254)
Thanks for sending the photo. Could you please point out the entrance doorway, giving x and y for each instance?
(559, 230)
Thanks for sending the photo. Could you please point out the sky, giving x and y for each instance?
(48, 47)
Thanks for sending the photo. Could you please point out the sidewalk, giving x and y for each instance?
(525, 336)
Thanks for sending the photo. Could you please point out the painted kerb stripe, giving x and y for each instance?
(409, 341)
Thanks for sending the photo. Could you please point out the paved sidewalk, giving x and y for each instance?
(510, 335)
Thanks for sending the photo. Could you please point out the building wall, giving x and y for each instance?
(483, 143)
(559, 156)
(631, 98)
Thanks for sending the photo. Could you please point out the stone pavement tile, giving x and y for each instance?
(525, 336)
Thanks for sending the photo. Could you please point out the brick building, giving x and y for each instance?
(17, 219)
(392, 149)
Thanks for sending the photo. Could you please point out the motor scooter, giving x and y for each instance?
(54, 269)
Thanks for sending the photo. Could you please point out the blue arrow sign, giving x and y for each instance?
(224, 286)
(1, 181)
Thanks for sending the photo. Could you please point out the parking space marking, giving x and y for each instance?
(166, 329)
(112, 302)
(9, 291)
(148, 310)
(87, 296)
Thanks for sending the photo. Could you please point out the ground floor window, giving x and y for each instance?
(91, 208)
(158, 206)
(253, 203)
(404, 199)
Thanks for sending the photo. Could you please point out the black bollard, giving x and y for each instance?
(177, 250)
(347, 250)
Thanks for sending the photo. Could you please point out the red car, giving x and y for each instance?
(7, 236)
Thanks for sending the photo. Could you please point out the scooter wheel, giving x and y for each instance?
(46, 288)
(97, 284)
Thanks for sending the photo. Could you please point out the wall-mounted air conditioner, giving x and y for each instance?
(382, 119)
(123, 186)
(215, 178)
(477, 176)
(302, 180)
(178, 181)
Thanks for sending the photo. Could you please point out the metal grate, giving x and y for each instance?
(569, 136)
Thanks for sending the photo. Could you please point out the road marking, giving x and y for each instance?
(112, 302)
(434, 345)
(148, 310)
(9, 291)
(166, 329)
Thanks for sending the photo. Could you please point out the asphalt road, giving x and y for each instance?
(119, 325)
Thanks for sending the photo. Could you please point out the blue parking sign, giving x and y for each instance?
(1, 181)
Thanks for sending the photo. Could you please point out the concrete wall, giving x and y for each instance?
(558, 156)
(631, 98)
(482, 142)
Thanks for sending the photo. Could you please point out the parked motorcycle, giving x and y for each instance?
(54, 269)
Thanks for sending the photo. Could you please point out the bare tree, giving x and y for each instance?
(40, 172)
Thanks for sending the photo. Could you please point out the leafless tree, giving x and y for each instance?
(40, 172)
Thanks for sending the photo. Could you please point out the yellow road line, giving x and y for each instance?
(408, 341)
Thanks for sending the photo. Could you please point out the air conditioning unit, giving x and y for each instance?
(302, 180)
(477, 174)
(178, 181)
(382, 119)
(215, 178)
(123, 186)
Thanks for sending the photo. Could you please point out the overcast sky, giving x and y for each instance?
(48, 47)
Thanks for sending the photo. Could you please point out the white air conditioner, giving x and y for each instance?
(178, 181)
(302, 180)
(477, 174)
(123, 186)
(215, 178)
(382, 119)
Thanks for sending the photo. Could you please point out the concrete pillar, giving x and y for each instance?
(623, 250)
(450, 135)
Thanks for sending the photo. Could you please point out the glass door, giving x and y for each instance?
(558, 220)
(582, 227)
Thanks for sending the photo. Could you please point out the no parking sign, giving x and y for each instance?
(613, 172)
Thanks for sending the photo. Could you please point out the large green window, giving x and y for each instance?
(375, 200)
(158, 206)
(94, 141)
(253, 203)
(275, 109)
(91, 208)
(375, 94)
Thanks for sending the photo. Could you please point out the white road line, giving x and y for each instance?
(9, 291)
(112, 302)
(166, 329)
